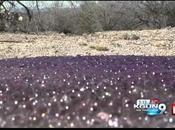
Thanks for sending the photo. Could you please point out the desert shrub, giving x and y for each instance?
(2, 26)
(88, 20)
(83, 44)
(116, 45)
(126, 36)
(90, 17)
(99, 48)
(134, 37)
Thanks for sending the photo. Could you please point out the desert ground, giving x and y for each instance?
(144, 42)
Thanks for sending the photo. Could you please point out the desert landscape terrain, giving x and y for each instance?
(144, 42)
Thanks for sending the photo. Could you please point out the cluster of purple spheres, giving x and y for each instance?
(84, 91)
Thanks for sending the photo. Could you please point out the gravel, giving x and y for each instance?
(150, 43)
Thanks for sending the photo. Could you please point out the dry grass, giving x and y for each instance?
(116, 45)
(99, 48)
(127, 36)
(83, 44)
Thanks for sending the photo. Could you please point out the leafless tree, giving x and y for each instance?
(12, 3)
(9, 18)
(152, 13)
(88, 18)
(80, 17)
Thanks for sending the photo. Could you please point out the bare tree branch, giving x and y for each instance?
(26, 8)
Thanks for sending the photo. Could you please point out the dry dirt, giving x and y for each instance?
(150, 43)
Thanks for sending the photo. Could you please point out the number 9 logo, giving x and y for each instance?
(162, 108)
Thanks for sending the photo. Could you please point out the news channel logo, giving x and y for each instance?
(151, 107)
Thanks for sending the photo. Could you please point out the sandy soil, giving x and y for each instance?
(150, 43)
